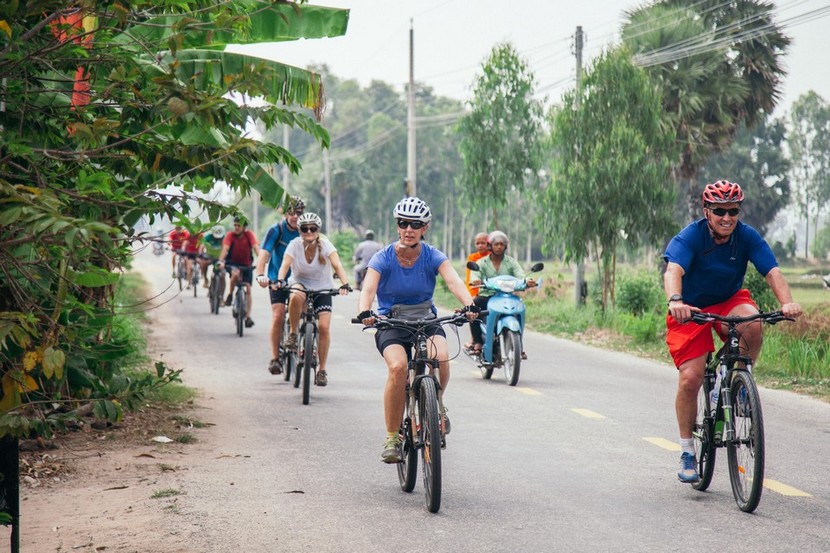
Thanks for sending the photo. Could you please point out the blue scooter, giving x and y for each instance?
(502, 331)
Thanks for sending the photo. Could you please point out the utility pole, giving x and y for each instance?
(580, 287)
(410, 119)
(327, 189)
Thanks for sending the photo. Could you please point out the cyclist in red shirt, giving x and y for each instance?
(176, 239)
(237, 248)
(193, 247)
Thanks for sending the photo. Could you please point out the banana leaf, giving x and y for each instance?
(276, 23)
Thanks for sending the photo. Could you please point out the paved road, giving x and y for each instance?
(581, 456)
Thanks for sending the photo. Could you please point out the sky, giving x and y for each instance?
(454, 37)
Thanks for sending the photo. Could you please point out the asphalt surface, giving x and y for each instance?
(580, 456)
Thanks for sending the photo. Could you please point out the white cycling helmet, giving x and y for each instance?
(414, 209)
(309, 218)
(218, 232)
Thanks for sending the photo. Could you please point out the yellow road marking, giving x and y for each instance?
(528, 391)
(773, 485)
(784, 489)
(663, 443)
(588, 414)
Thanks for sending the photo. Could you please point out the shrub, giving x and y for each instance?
(639, 293)
(760, 290)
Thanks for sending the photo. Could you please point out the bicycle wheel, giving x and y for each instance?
(746, 450)
(430, 438)
(194, 283)
(512, 356)
(288, 359)
(308, 371)
(408, 467)
(704, 445)
(181, 273)
(240, 310)
(215, 296)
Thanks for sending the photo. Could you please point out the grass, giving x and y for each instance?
(795, 357)
(168, 492)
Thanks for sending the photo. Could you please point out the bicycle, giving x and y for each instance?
(181, 269)
(735, 420)
(216, 288)
(305, 357)
(239, 306)
(422, 428)
(286, 355)
(194, 272)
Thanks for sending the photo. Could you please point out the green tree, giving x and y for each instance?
(757, 161)
(809, 142)
(611, 159)
(499, 139)
(718, 66)
(113, 112)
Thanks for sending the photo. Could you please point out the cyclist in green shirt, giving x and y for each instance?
(497, 263)
(213, 247)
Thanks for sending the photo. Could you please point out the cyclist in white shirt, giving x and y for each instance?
(311, 258)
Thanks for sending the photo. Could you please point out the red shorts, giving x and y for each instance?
(689, 340)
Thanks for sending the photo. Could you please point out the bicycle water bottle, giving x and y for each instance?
(715, 393)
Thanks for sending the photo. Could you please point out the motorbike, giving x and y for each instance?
(503, 327)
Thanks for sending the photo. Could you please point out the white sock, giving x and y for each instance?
(687, 445)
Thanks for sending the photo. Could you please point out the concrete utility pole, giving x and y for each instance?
(580, 287)
(327, 188)
(410, 119)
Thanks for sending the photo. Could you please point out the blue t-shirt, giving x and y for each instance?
(277, 249)
(715, 272)
(406, 285)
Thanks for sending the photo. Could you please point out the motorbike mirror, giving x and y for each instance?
(472, 265)
(537, 267)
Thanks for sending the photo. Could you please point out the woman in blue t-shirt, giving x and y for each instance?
(402, 276)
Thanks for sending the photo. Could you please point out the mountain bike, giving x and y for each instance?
(288, 356)
(306, 359)
(734, 419)
(239, 306)
(181, 269)
(194, 272)
(422, 428)
(216, 288)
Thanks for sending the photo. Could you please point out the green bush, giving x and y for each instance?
(760, 290)
(639, 293)
(345, 242)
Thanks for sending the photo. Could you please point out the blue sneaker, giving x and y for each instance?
(688, 469)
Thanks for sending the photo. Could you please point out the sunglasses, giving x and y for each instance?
(402, 224)
(720, 212)
(306, 230)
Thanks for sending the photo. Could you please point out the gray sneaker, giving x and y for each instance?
(392, 450)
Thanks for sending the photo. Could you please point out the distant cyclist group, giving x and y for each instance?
(706, 264)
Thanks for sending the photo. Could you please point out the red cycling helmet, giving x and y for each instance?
(722, 192)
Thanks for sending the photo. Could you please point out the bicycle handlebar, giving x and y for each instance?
(458, 319)
(771, 317)
(296, 287)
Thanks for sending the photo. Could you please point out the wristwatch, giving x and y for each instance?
(675, 297)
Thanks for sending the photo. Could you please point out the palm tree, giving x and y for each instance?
(718, 66)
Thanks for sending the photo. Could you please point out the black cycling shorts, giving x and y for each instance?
(403, 337)
(279, 295)
(247, 273)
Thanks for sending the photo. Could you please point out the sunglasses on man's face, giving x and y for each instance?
(306, 230)
(402, 224)
(720, 211)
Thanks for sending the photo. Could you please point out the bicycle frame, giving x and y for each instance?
(742, 433)
(422, 425)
